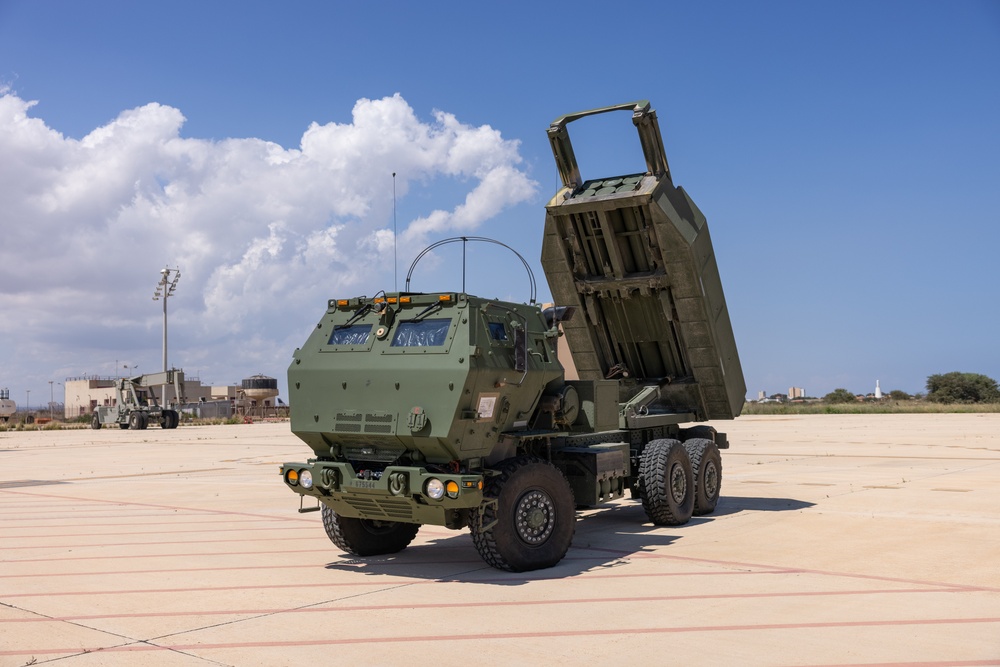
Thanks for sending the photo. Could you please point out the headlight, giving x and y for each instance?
(434, 489)
(306, 479)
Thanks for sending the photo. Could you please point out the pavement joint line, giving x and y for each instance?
(451, 638)
(317, 607)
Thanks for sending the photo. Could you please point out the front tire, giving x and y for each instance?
(528, 519)
(367, 537)
(666, 483)
(95, 423)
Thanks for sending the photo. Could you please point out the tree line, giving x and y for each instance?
(951, 387)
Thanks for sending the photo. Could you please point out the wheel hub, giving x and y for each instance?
(534, 517)
(711, 479)
(678, 484)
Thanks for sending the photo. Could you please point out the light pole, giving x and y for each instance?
(50, 400)
(164, 290)
(27, 407)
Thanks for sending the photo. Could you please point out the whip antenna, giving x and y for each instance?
(395, 269)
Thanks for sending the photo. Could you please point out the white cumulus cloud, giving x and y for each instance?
(262, 234)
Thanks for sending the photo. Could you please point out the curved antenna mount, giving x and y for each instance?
(465, 240)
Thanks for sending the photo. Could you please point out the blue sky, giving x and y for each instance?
(846, 155)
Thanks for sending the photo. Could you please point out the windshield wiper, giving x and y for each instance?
(425, 312)
(357, 314)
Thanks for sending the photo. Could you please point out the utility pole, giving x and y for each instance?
(164, 290)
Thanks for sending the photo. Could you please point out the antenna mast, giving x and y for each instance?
(395, 268)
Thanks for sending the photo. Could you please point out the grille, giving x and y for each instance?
(381, 508)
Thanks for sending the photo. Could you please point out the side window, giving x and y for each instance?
(425, 333)
(497, 331)
(356, 334)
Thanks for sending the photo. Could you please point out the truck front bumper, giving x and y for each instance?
(399, 493)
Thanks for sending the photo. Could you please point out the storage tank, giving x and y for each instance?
(260, 387)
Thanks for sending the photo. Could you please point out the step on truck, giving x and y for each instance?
(455, 410)
(136, 405)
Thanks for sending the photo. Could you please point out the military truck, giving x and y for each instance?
(136, 405)
(455, 410)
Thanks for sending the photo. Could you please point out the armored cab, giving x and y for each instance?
(455, 410)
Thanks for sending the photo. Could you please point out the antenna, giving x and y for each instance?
(395, 268)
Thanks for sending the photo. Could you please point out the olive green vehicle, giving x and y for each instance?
(454, 410)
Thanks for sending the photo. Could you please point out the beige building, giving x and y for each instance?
(84, 394)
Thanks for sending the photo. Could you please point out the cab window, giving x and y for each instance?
(497, 331)
(355, 334)
(425, 333)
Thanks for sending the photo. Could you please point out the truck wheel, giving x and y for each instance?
(174, 420)
(530, 522)
(137, 421)
(666, 483)
(95, 423)
(123, 426)
(706, 466)
(367, 537)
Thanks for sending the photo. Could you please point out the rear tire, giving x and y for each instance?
(95, 423)
(168, 419)
(666, 483)
(123, 426)
(137, 421)
(531, 520)
(367, 537)
(706, 466)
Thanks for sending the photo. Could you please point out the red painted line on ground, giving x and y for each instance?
(408, 582)
(944, 663)
(181, 555)
(211, 521)
(119, 573)
(461, 605)
(209, 529)
(151, 505)
(827, 573)
(103, 545)
(493, 636)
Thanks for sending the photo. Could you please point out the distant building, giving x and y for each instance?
(796, 392)
(878, 391)
(761, 395)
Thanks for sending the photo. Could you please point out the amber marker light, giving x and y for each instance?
(342, 303)
(451, 488)
(405, 299)
(292, 477)
(444, 297)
